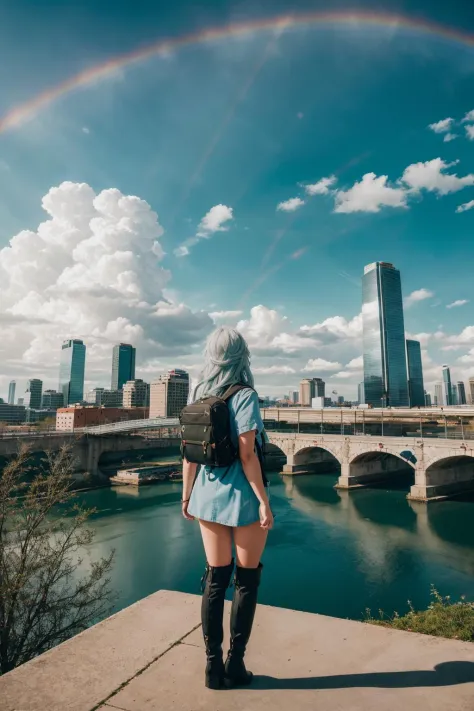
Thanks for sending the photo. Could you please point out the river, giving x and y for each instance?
(332, 552)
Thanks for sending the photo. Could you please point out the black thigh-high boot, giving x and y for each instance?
(242, 613)
(215, 583)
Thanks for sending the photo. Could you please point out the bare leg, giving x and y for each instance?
(249, 544)
(217, 540)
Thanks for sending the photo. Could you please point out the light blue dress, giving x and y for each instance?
(223, 494)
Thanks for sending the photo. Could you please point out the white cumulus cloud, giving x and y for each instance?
(469, 116)
(441, 126)
(458, 302)
(91, 270)
(290, 205)
(320, 364)
(470, 132)
(335, 328)
(370, 195)
(465, 206)
(322, 187)
(215, 220)
(418, 295)
(431, 176)
(450, 137)
(274, 370)
(219, 316)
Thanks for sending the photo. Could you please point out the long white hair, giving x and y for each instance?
(226, 363)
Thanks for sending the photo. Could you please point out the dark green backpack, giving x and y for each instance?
(206, 434)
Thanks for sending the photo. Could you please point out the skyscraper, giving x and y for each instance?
(427, 399)
(305, 392)
(318, 387)
(123, 365)
(448, 393)
(471, 390)
(461, 393)
(454, 395)
(310, 388)
(71, 371)
(11, 392)
(385, 367)
(439, 395)
(416, 389)
(169, 394)
(361, 394)
(34, 391)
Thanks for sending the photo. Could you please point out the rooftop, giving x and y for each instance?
(150, 657)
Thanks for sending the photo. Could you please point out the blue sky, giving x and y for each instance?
(231, 130)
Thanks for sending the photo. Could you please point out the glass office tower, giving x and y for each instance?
(385, 368)
(416, 388)
(123, 365)
(448, 390)
(71, 371)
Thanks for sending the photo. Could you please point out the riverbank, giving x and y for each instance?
(151, 657)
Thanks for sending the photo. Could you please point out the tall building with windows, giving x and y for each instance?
(169, 394)
(416, 388)
(33, 393)
(305, 392)
(448, 391)
(136, 393)
(105, 398)
(471, 390)
(11, 392)
(52, 399)
(427, 399)
(361, 394)
(385, 366)
(123, 365)
(71, 371)
(311, 388)
(461, 393)
(439, 394)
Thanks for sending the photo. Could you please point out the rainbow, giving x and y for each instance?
(22, 112)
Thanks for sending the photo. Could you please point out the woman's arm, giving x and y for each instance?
(253, 472)
(189, 475)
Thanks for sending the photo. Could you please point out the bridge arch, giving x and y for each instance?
(450, 474)
(380, 465)
(315, 459)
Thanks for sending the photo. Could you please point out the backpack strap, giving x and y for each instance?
(234, 389)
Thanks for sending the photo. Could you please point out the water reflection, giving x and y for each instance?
(334, 552)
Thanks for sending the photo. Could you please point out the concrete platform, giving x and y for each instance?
(150, 657)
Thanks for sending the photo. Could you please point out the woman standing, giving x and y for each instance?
(232, 507)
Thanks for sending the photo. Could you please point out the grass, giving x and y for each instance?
(443, 618)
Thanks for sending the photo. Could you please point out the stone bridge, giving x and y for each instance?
(440, 467)
(91, 452)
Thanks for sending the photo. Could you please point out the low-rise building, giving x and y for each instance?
(106, 398)
(71, 418)
(12, 414)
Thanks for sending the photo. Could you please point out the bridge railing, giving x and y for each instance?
(128, 426)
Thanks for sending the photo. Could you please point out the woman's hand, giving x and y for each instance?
(184, 510)
(266, 517)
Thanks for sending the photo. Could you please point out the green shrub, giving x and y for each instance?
(443, 618)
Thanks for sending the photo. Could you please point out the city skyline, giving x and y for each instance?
(294, 178)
